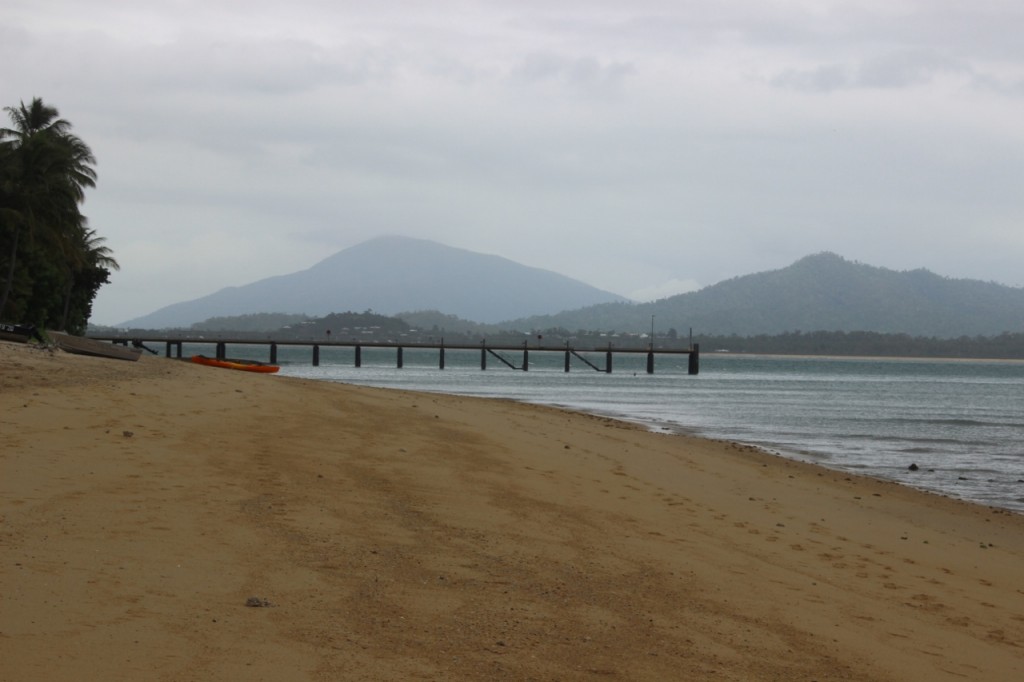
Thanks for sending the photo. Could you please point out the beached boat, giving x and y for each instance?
(230, 363)
(19, 333)
(79, 345)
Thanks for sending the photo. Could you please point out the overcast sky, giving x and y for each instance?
(646, 147)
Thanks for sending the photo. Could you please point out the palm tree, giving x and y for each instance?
(89, 263)
(44, 171)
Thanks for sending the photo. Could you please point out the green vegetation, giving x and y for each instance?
(1009, 346)
(439, 322)
(348, 326)
(51, 262)
(256, 322)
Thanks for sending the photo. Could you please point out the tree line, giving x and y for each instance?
(1009, 345)
(52, 263)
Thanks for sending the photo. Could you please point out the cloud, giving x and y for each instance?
(823, 78)
(581, 74)
(897, 69)
(618, 143)
(907, 68)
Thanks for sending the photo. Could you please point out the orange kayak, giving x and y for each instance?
(244, 365)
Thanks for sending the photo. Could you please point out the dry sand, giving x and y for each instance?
(389, 535)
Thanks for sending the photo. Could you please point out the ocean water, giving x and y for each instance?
(960, 422)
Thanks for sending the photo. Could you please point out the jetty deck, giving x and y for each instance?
(513, 356)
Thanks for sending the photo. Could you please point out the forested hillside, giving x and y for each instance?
(820, 292)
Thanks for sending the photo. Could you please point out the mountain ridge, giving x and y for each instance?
(390, 275)
(820, 292)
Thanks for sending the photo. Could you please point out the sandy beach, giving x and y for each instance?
(165, 521)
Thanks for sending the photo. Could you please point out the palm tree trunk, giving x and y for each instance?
(67, 303)
(10, 272)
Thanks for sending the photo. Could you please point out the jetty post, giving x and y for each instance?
(693, 367)
(359, 356)
(171, 344)
(440, 361)
(650, 350)
(399, 357)
(273, 353)
(316, 355)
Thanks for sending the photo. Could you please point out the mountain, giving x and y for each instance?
(822, 292)
(390, 275)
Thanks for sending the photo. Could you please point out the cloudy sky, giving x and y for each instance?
(647, 147)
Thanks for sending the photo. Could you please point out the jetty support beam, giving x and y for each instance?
(583, 359)
(222, 351)
(502, 358)
(608, 361)
(359, 356)
(273, 353)
(694, 365)
(316, 355)
(650, 362)
(399, 357)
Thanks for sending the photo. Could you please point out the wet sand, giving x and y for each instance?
(387, 535)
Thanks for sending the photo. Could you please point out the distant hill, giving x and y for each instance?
(819, 292)
(392, 274)
(822, 292)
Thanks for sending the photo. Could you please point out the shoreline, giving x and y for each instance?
(882, 358)
(811, 458)
(825, 459)
(389, 534)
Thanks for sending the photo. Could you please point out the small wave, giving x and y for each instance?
(915, 442)
(950, 422)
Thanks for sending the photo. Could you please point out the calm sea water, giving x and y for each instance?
(961, 422)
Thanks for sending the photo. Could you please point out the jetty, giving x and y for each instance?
(512, 356)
